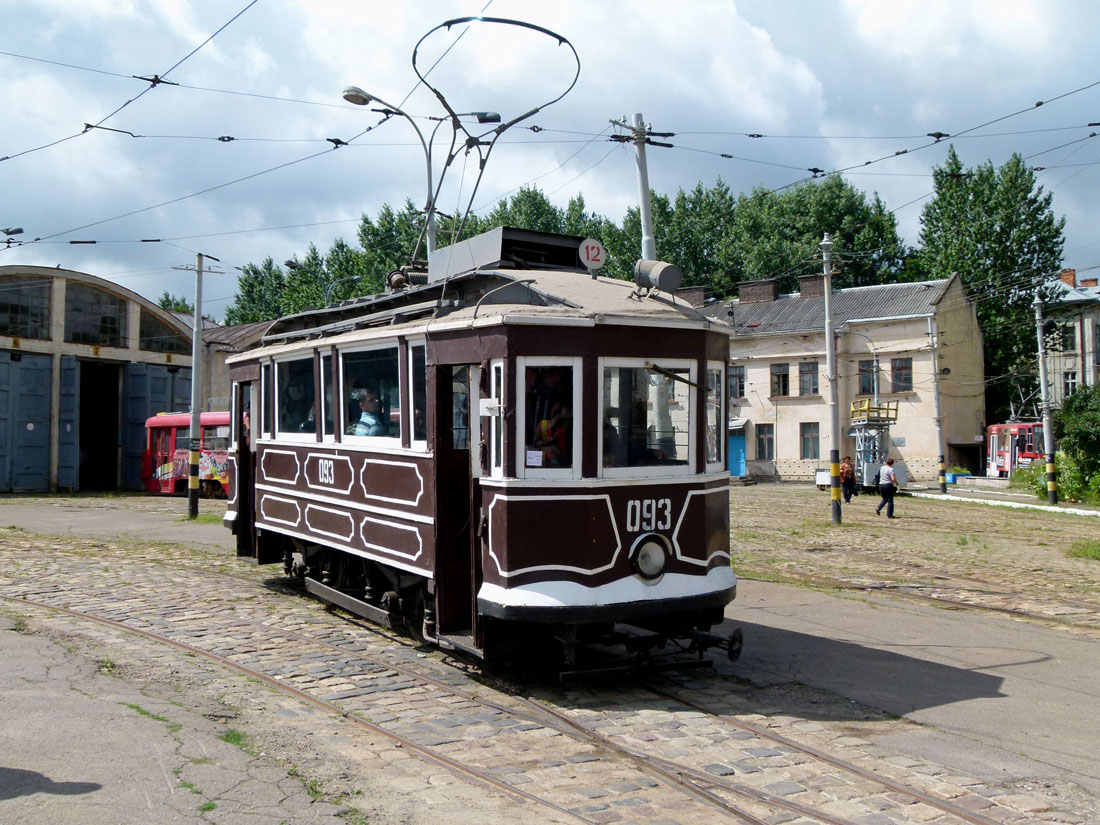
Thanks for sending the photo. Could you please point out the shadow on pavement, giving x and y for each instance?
(890, 681)
(17, 782)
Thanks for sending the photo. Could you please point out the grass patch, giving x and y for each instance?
(1085, 550)
(204, 518)
(106, 666)
(172, 726)
(207, 806)
(191, 787)
(235, 737)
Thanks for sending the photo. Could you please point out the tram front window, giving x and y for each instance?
(646, 419)
(549, 416)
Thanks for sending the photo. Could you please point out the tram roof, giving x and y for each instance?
(489, 296)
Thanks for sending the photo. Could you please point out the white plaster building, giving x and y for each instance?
(1073, 352)
(778, 387)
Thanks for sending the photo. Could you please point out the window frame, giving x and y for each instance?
(576, 365)
(814, 375)
(896, 374)
(866, 370)
(813, 435)
(653, 471)
(722, 422)
(764, 438)
(1069, 383)
(420, 445)
(741, 381)
(387, 442)
(780, 370)
(493, 409)
(292, 435)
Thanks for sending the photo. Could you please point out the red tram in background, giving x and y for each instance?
(1012, 446)
(165, 463)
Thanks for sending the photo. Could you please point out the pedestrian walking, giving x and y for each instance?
(848, 479)
(887, 486)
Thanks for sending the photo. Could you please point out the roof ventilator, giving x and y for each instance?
(651, 275)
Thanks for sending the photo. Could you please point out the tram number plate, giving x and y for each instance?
(645, 514)
(326, 472)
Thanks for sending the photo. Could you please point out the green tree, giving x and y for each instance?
(1077, 426)
(530, 209)
(260, 294)
(175, 303)
(996, 229)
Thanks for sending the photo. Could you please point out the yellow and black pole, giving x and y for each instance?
(830, 369)
(1044, 389)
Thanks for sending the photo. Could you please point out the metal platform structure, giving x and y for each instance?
(871, 429)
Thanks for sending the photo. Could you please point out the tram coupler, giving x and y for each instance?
(702, 641)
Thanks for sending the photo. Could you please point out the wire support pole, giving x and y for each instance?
(831, 377)
(1044, 389)
(933, 339)
(649, 244)
(196, 394)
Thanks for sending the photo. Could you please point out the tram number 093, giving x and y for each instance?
(647, 514)
(326, 472)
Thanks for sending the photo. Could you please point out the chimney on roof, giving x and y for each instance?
(694, 296)
(811, 286)
(1068, 276)
(758, 292)
(1088, 282)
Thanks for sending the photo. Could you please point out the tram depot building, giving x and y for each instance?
(83, 363)
(780, 420)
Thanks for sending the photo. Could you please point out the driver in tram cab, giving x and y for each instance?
(370, 420)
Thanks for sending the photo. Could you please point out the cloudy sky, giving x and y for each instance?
(827, 85)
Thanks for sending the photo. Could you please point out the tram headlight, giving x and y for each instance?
(650, 559)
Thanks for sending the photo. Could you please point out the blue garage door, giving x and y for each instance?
(24, 422)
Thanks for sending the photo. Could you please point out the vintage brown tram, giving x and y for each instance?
(504, 449)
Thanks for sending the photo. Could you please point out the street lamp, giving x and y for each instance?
(874, 355)
(353, 94)
(11, 230)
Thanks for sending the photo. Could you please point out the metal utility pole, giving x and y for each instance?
(939, 415)
(196, 389)
(640, 136)
(830, 370)
(1044, 388)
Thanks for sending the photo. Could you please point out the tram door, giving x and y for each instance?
(245, 473)
(455, 570)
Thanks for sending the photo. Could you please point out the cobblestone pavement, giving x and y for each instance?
(600, 753)
(950, 551)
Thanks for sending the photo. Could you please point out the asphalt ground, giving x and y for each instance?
(1000, 699)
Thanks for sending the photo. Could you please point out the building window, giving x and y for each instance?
(737, 381)
(866, 377)
(1069, 337)
(94, 316)
(809, 436)
(1069, 383)
(901, 374)
(765, 442)
(807, 378)
(157, 336)
(24, 307)
(781, 380)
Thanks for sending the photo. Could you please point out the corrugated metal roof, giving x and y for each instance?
(793, 313)
(237, 337)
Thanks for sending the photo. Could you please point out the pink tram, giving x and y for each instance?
(1012, 446)
(505, 452)
(165, 463)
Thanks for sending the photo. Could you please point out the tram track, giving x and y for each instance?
(263, 656)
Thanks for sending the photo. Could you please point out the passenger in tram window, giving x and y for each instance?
(370, 420)
(549, 420)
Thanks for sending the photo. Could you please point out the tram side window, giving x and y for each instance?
(265, 401)
(548, 428)
(295, 396)
(372, 393)
(460, 407)
(716, 431)
(215, 438)
(646, 416)
(419, 387)
(328, 394)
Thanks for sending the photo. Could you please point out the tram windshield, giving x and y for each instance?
(646, 416)
(549, 416)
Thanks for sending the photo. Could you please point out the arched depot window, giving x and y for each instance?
(25, 307)
(157, 336)
(94, 316)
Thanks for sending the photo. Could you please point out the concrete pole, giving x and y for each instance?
(830, 370)
(936, 399)
(649, 243)
(1044, 389)
(196, 394)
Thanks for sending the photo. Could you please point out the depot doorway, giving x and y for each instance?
(100, 425)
